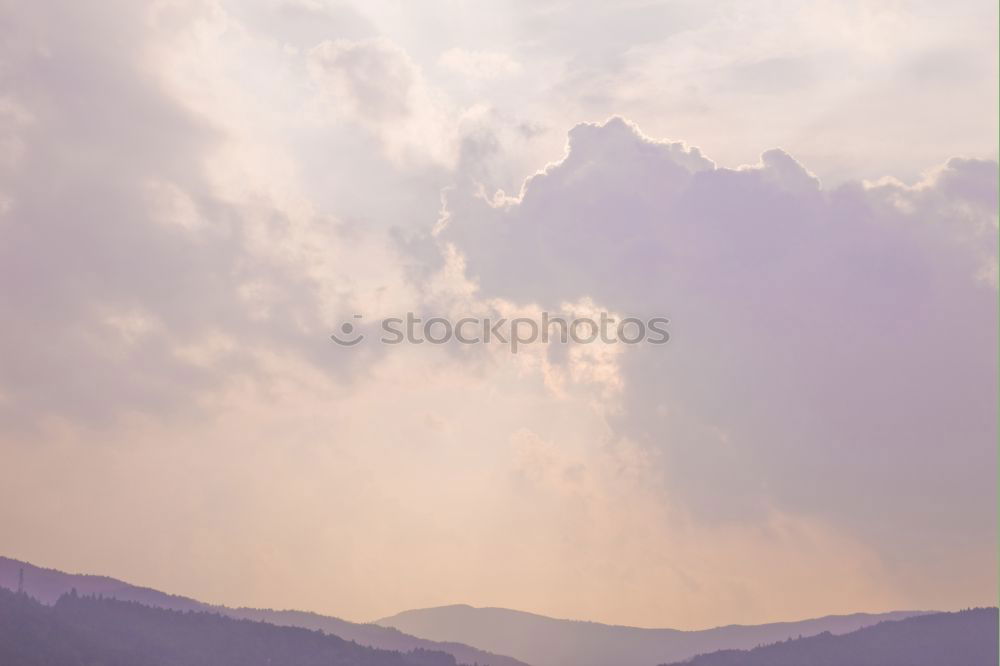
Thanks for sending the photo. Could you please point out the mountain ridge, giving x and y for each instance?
(967, 637)
(489, 636)
(465, 606)
(48, 585)
(546, 641)
(104, 631)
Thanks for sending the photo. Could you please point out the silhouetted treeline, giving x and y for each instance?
(91, 631)
(47, 585)
(965, 638)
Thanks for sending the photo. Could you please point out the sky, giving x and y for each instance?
(194, 194)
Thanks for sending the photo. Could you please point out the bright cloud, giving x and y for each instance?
(193, 195)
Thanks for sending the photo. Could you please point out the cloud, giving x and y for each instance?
(301, 24)
(833, 350)
(154, 255)
(479, 64)
(193, 194)
(376, 84)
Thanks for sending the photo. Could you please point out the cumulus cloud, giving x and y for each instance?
(832, 349)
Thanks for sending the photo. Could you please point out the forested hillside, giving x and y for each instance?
(106, 632)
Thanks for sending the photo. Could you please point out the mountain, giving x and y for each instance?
(966, 638)
(108, 632)
(545, 641)
(48, 585)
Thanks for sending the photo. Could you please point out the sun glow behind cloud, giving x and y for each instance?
(196, 193)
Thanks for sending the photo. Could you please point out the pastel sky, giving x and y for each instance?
(195, 193)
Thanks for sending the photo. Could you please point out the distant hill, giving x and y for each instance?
(94, 631)
(48, 585)
(966, 638)
(545, 641)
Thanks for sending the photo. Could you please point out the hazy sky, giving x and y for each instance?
(195, 194)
